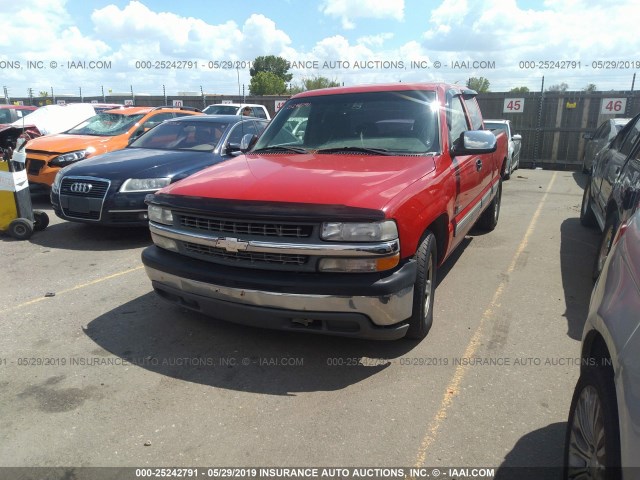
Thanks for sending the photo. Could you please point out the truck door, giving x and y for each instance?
(468, 169)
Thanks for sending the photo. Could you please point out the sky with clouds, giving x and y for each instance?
(120, 45)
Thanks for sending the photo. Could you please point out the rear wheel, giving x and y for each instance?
(508, 169)
(21, 228)
(587, 217)
(424, 289)
(592, 444)
(40, 220)
(489, 218)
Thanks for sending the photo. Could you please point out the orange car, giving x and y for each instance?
(105, 132)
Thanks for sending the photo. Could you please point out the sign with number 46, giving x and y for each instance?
(613, 106)
(513, 105)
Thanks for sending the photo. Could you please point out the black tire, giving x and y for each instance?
(508, 169)
(489, 218)
(424, 288)
(21, 228)
(587, 217)
(40, 220)
(608, 234)
(593, 413)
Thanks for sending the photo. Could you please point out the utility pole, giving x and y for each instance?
(538, 126)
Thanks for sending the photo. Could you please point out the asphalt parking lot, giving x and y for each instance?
(95, 370)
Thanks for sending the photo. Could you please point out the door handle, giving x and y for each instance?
(479, 164)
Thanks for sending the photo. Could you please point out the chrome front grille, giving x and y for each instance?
(246, 227)
(84, 187)
(245, 257)
(83, 197)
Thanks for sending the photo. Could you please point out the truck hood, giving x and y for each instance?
(63, 143)
(331, 179)
(142, 163)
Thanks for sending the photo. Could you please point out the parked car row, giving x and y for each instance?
(110, 189)
(603, 429)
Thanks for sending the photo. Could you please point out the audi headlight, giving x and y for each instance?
(144, 184)
(71, 157)
(159, 214)
(359, 232)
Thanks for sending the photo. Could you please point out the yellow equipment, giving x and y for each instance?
(17, 216)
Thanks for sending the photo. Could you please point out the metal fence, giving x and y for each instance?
(552, 124)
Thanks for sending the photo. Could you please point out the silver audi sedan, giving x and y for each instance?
(603, 431)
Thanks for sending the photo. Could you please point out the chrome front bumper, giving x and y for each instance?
(381, 311)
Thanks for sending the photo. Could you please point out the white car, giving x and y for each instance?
(249, 109)
(515, 144)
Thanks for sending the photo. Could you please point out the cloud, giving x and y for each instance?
(347, 11)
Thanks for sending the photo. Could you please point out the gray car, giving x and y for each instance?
(597, 140)
(603, 431)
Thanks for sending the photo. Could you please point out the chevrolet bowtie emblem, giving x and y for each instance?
(232, 244)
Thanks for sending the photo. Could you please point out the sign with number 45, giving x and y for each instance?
(513, 105)
(613, 106)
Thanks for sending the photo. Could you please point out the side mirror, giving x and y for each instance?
(232, 148)
(517, 137)
(473, 142)
(248, 141)
(587, 136)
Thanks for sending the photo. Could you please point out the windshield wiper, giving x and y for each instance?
(276, 148)
(374, 151)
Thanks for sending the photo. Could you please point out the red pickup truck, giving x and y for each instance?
(337, 219)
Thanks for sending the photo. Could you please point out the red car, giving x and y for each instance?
(338, 229)
(11, 113)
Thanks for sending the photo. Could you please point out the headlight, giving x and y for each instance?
(160, 215)
(359, 232)
(67, 158)
(144, 184)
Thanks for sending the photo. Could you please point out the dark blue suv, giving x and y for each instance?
(612, 193)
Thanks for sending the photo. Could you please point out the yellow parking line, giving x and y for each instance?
(72, 289)
(453, 388)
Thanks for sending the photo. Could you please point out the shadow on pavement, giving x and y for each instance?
(536, 456)
(578, 246)
(192, 347)
(80, 236)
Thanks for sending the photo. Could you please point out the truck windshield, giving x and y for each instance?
(106, 125)
(495, 126)
(398, 122)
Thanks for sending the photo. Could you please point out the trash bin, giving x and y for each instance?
(17, 216)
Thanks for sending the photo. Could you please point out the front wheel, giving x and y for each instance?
(489, 218)
(424, 289)
(592, 444)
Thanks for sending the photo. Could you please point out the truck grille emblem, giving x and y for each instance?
(232, 244)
